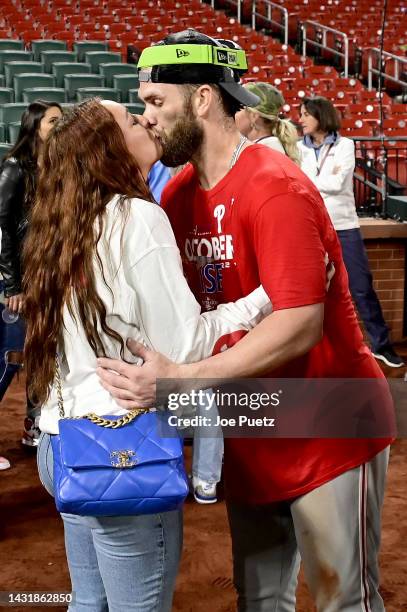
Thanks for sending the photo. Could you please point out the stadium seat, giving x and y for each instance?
(4, 149)
(50, 57)
(95, 58)
(124, 82)
(11, 112)
(61, 69)
(110, 70)
(6, 95)
(38, 46)
(13, 131)
(11, 44)
(106, 93)
(80, 47)
(137, 108)
(72, 82)
(13, 68)
(29, 80)
(2, 132)
(133, 97)
(14, 55)
(53, 94)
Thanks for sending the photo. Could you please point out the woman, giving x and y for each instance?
(329, 161)
(262, 123)
(17, 191)
(102, 265)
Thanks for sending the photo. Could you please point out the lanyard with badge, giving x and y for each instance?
(321, 165)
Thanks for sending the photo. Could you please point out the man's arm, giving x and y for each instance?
(281, 337)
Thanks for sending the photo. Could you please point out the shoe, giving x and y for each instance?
(389, 357)
(31, 432)
(205, 492)
(4, 463)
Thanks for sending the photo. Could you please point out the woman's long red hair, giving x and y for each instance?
(85, 163)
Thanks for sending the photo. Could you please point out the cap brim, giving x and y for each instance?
(242, 95)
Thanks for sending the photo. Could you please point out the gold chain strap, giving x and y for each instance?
(97, 420)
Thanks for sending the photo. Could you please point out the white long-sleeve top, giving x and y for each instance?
(336, 189)
(148, 300)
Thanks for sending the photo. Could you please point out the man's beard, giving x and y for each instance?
(183, 142)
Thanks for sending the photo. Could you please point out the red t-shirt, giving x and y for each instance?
(265, 223)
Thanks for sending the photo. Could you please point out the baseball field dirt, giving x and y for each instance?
(32, 547)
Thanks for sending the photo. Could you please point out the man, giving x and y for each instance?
(244, 215)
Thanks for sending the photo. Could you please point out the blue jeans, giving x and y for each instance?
(361, 287)
(207, 452)
(11, 339)
(118, 563)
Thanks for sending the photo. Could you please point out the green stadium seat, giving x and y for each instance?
(6, 95)
(52, 94)
(61, 69)
(133, 96)
(13, 131)
(135, 107)
(106, 93)
(124, 82)
(4, 149)
(111, 70)
(95, 58)
(11, 112)
(38, 46)
(50, 57)
(80, 47)
(11, 43)
(13, 68)
(2, 80)
(14, 55)
(2, 132)
(29, 80)
(72, 82)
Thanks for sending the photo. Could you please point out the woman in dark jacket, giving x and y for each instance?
(17, 192)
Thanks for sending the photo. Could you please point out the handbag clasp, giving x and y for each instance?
(121, 459)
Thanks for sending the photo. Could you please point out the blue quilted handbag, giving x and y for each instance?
(112, 466)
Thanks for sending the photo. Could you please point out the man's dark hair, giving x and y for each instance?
(324, 112)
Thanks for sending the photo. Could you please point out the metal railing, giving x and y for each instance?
(237, 4)
(379, 71)
(380, 171)
(271, 6)
(320, 41)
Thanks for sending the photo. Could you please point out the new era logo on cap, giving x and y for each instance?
(226, 57)
(181, 53)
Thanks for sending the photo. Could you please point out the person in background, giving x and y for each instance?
(263, 124)
(328, 159)
(207, 447)
(4, 463)
(18, 179)
(158, 177)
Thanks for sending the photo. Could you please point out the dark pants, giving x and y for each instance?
(361, 287)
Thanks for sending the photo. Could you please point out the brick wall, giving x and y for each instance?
(387, 263)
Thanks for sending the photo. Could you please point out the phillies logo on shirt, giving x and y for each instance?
(219, 213)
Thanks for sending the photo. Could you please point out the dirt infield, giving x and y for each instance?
(32, 548)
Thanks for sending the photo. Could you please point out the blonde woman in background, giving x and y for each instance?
(262, 124)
